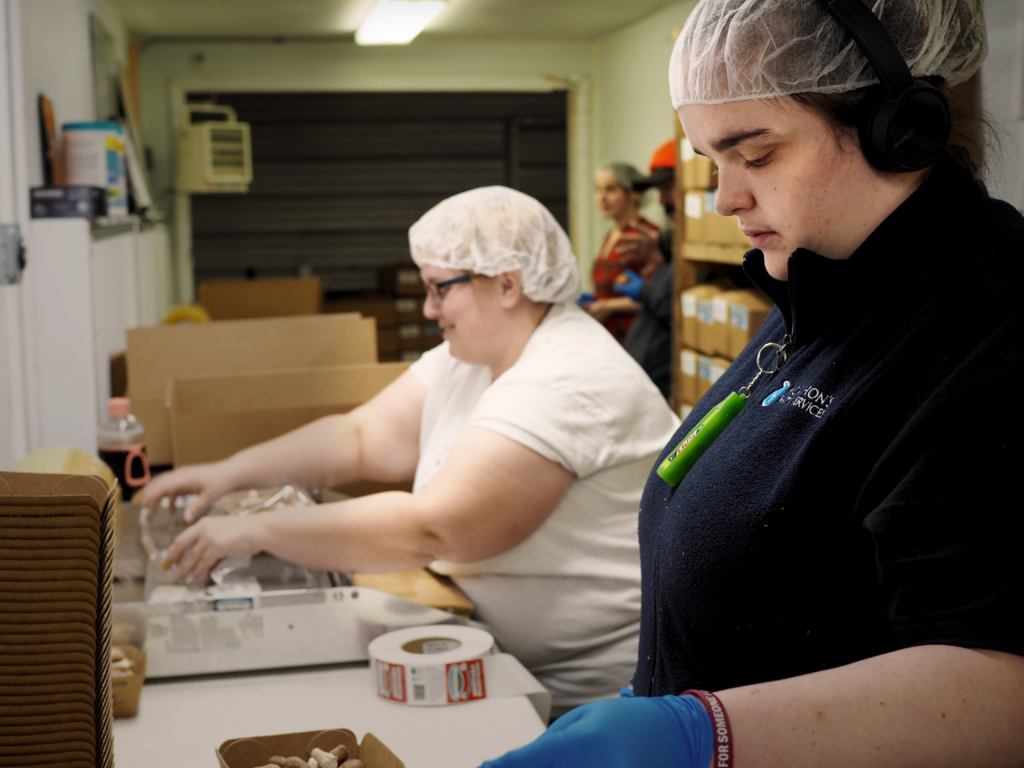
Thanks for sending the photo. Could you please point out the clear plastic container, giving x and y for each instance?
(159, 529)
(121, 443)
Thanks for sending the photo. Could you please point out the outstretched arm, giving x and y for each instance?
(490, 494)
(379, 440)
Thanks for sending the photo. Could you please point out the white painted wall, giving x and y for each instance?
(56, 38)
(18, 422)
(632, 112)
(1002, 84)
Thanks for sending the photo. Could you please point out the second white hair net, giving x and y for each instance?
(492, 230)
(731, 50)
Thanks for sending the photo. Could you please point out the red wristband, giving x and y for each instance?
(723, 753)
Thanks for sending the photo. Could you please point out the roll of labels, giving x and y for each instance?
(440, 665)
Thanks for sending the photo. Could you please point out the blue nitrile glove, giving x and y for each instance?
(584, 299)
(642, 732)
(627, 691)
(632, 287)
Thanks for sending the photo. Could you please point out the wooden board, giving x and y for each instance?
(420, 586)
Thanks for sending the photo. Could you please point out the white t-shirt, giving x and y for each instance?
(566, 601)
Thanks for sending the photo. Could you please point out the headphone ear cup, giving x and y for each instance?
(906, 133)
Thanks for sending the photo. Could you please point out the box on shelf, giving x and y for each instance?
(718, 366)
(387, 342)
(408, 309)
(718, 229)
(707, 333)
(257, 750)
(693, 209)
(68, 202)
(747, 310)
(419, 336)
(157, 354)
(380, 307)
(719, 336)
(261, 297)
(703, 375)
(690, 299)
(215, 416)
(698, 170)
(402, 280)
(688, 366)
(709, 370)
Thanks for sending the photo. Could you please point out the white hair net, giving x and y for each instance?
(492, 230)
(731, 50)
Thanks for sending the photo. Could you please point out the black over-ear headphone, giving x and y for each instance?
(907, 126)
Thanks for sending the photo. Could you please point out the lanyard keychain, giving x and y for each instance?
(675, 466)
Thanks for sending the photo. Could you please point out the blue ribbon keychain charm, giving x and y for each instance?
(675, 466)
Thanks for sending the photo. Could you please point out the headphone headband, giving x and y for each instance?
(871, 37)
(907, 128)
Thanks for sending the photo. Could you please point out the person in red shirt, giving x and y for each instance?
(617, 200)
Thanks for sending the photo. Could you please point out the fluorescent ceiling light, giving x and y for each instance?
(395, 22)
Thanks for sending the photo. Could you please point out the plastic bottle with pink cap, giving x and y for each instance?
(121, 441)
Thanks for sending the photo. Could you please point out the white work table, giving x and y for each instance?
(181, 723)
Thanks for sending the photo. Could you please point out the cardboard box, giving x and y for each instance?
(689, 299)
(261, 297)
(707, 334)
(719, 365)
(688, 366)
(703, 375)
(402, 280)
(409, 309)
(718, 229)
(698, 170)
(159, 353)
(126, 684)
(257, 750)
(694, 251)
(719, 335)
(723, 254)
(693, 208)
(747, 310)
(419, 336)
(387, 343)
(215, 416)
(381, 307)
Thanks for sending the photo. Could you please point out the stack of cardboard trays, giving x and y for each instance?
(56, 594)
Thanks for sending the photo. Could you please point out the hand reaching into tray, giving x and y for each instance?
(207, 481)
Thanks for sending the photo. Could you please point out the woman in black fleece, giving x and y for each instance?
(841, 565)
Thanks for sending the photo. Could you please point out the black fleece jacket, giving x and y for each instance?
(871, 503)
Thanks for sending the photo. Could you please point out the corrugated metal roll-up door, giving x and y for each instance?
(340, 177)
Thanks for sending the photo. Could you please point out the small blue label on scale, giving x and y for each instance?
(233, 604)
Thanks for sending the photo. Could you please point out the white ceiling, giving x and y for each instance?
(481, 19)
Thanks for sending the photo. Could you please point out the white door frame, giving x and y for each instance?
(19, 423)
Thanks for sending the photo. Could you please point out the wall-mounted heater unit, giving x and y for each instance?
(213, 155)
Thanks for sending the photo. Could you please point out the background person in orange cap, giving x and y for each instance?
(649, 340)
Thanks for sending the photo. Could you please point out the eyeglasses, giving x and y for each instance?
(437, 291)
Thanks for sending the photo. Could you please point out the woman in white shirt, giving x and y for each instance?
(528, 434)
